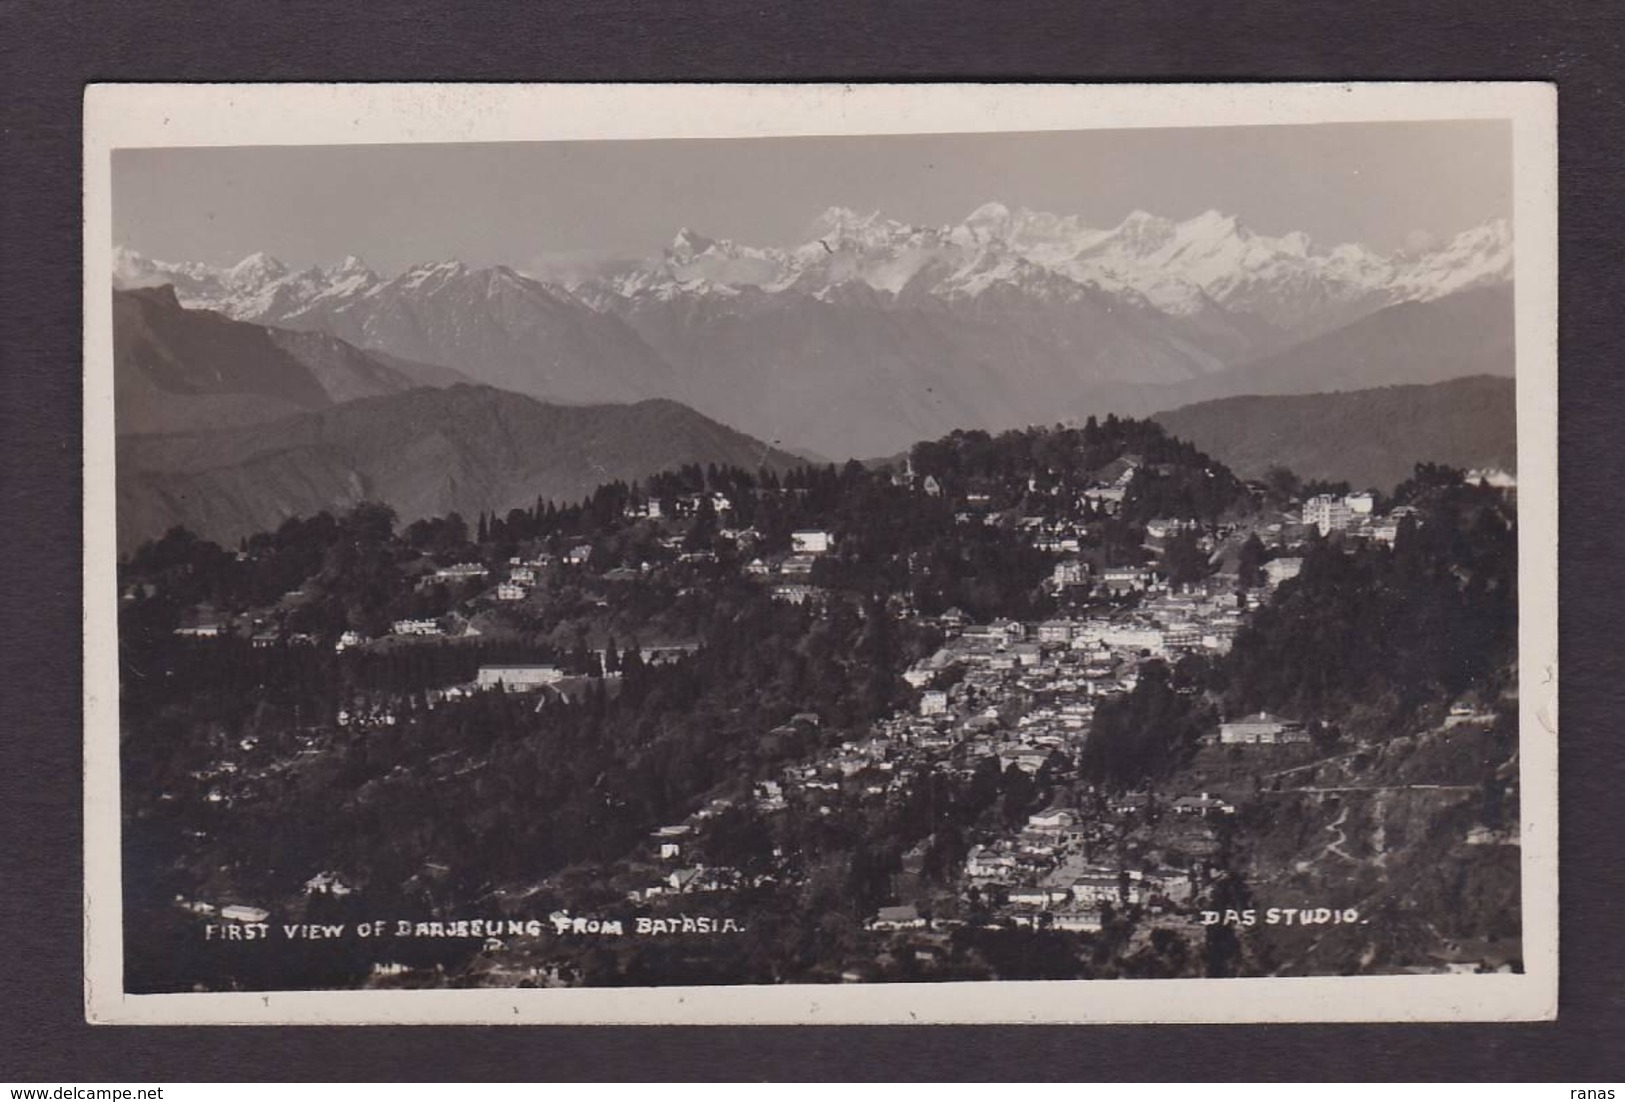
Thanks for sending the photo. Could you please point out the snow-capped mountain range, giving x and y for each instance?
(871, 333)
(1179, 268)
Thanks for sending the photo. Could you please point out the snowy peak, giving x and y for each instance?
(1208, 270)
(1296, 243)
(841, 227)
(132, 270)
(989, 222)
(1473, 258)
(1006, 317)
(350, 266)
(1206, 266)
(1211, 224)
(1044, 238)
(1143, 233)
(688, 244)
(255, 270)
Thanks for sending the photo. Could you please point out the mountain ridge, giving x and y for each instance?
(1464, 334)
(424, 452)
(873, 333)
(1180, 267)
(1369, 438)
(176, 368)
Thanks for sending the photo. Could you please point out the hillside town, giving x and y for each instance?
(995, 781)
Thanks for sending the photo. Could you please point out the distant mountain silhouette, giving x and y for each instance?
(1370, 438)
(176, 369)
(1466, 333)
(872, 333)
(425, 452)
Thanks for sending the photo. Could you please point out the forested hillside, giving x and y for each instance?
(309, 705)
(424, 452)
(1368, 438)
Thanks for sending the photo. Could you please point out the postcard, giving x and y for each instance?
(820, 553)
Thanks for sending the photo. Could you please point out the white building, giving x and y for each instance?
(811, 541)
(518, 679)
(1069, 572)
(795, 593)
(986, 864)
(238, 912)
(416, 627)
(934, 703)
(1105, 498)
(905, 917)
(1055, 631)
(460, 572)
(1052, 820)
(1132, 637)
(1327, 513)
(1182, 636)
(1493, 477)
(1159, 528)
(1124, 579)
(1261, 729)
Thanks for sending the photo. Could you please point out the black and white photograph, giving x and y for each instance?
(808, 553)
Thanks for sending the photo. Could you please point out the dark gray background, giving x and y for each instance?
(49, 51)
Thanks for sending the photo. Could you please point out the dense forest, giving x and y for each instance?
(443, 802)
(1379, 632)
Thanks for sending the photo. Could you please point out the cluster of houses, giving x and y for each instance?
(1076, 653)
(1036, 877)
(1354, 515)
(677, 506)
(1110, 485)
(1025, 695)
(789, 574)
(460, 572)
(1022, 694)
(675, 847)
(1048, 874)
(365, 717)
(1044, 876)
(521, 577)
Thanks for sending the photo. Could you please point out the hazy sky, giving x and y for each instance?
(1384, 185)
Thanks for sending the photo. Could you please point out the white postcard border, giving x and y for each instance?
(156, 115)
